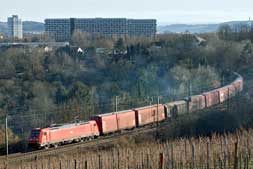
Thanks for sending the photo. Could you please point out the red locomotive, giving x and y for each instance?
(62, 134)
(129, 119)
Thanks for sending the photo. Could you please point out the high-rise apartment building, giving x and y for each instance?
(58, 29)
(142, 27)
(15, 29)
(103, 26)
(62, 29)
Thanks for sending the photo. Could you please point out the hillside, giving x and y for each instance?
(31, 26)
(197, 28)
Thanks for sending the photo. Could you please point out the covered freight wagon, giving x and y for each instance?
(211, 98)
(196, 102)
(126, 119)
(150, 114)
(231, 90)
(116, 121)
(238, 83)
(176, 108)
(223, 94)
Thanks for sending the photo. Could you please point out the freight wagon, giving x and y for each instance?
(196, 102)
(238, 83)
(231, 90)
(117, 121)
(223, 94)
(211, 98)
(176, 108)
(150, 114)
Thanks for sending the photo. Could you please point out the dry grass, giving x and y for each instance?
(218, 151)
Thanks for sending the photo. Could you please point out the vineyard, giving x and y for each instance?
(216, 151)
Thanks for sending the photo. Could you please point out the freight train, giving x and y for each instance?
(109, 123)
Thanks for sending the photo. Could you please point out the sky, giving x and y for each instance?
(165, 11)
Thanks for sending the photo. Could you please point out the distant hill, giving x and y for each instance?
(197, 28)
(31, 26)
(28, 26)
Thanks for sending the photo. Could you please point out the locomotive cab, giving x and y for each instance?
(38, 138)
(34, 138)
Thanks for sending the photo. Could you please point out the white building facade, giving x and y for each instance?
(15, 28)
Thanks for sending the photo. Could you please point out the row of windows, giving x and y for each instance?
(100, 21)
(61, 29)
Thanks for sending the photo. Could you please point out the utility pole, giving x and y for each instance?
(116, 104)
(158, 102)
(189, 88)
(157, 115)
(116, 110)
(92, 101)
(150, 100)
(223, 80)
(6, 135)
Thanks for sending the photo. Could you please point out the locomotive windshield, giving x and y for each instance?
(35, 133)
